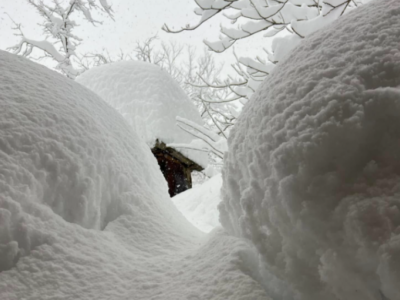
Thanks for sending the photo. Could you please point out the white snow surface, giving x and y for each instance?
(312, 176)
(84, 209)
(200, 204)
(149, 99)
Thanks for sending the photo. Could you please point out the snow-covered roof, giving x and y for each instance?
(312, 175)
(149, 99)
(84, 208)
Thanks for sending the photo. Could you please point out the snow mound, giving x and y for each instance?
(149, 99)
(70, 164)
(199, 204)
(63, 147)
(312, 176)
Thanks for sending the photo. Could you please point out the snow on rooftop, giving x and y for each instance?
(312, 175)
(84, 208)
(149, 99)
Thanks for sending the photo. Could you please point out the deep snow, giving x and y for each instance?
(199, 204)
(149, 99)
(84, 209)
(312, 175)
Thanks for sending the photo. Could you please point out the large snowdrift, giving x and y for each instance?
(312, 176)
(84, 209)
(149, 99)
(62, 146)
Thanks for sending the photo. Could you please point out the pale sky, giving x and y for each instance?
(134, 21)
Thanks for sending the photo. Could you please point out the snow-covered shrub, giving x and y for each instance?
(149, 99)
(312, 176)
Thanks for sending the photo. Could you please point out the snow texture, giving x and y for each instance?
(312, 175)
(84, 209)
(199, 204)
(149, 99)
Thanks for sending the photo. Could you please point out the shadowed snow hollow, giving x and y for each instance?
(313, 173)
(149, 99)
(69, 163)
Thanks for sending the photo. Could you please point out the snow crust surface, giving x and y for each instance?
(84, 208)
(149, 99)
(312, 175)
(200, 204)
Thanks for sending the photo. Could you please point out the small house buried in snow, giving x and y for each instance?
(150, 100)
(176, 168)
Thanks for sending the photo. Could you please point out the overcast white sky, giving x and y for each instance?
(134, 21)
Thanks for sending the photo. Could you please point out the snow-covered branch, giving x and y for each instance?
(299, 18)
(213, 142)
(60, 41)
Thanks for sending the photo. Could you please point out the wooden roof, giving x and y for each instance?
(188, 163)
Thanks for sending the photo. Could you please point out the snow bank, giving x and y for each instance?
(70, 165)
(149, 99)
(63, 147)
(199, 204)
(312, 176)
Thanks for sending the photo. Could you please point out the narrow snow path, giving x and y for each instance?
(200, 204)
